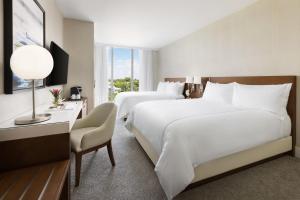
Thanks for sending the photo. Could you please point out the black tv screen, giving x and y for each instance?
(59, 74)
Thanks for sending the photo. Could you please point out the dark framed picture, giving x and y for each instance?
(24, 24)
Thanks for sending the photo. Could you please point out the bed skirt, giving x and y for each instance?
(228, 163)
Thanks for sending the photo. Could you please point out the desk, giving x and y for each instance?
(61, 122)
(36, 144)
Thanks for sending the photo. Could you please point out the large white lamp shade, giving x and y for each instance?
(31, 62)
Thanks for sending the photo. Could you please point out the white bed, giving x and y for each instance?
(238, 122)
(166, 90)
(188, 133)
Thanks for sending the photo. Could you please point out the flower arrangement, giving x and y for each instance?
(57, 96)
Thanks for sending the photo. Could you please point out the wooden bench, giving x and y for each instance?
(47, 181)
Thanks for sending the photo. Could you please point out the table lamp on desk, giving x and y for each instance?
(31, 62)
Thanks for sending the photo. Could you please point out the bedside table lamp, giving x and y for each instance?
(189, 81)
(198, 81)
(31, 62)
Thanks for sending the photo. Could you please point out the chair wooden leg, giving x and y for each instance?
(78, 157)
(110, 153)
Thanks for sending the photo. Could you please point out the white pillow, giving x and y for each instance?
(171, 88)
(162, 87)
(180, 88)
(174, 88)
(273, 98)
(217, 92)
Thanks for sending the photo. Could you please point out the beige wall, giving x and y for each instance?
(11, 105)
(79, 43)
(262, 39)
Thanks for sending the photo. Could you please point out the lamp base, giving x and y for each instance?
(29, 120)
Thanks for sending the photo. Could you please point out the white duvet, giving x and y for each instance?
(127, 100)
(186, 133)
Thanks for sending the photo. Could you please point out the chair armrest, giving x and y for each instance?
(79, 123)
(96, 137)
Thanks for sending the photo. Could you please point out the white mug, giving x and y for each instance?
(73, 96)
(78, 96)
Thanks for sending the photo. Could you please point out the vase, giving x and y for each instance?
(56, 101)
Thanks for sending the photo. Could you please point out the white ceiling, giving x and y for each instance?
(148, 23)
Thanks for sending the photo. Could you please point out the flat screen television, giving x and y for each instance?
(59, 74)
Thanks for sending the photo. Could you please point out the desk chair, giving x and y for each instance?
(93, 132)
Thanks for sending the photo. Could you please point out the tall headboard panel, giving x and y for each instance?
(175, 79)
(268, 80)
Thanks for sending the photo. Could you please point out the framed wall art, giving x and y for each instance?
(24, 24)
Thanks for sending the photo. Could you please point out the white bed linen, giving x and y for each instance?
(127, 100)
(186, 133)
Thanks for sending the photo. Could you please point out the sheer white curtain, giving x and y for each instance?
(101, 76)
(146, 73)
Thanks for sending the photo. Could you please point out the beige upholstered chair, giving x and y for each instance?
(93, 132)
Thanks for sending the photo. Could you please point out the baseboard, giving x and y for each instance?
(297, 152)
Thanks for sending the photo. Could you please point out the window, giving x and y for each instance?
(123, 71)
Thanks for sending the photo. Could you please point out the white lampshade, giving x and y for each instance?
(197, 80)
(189, 79)
(31, 62)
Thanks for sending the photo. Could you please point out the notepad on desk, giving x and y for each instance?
(61, 107)
(69, 107)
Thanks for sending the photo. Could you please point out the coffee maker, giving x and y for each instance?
(76, 93)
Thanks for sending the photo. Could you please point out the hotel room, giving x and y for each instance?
(152, 100)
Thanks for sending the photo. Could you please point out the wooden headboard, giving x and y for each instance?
(258, 80)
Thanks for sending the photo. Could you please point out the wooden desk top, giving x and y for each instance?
(37, 182)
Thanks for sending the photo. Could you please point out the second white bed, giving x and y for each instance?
(187, 133)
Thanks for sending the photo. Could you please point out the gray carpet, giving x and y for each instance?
(133, 177)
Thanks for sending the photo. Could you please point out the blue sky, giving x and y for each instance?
(122, 63)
